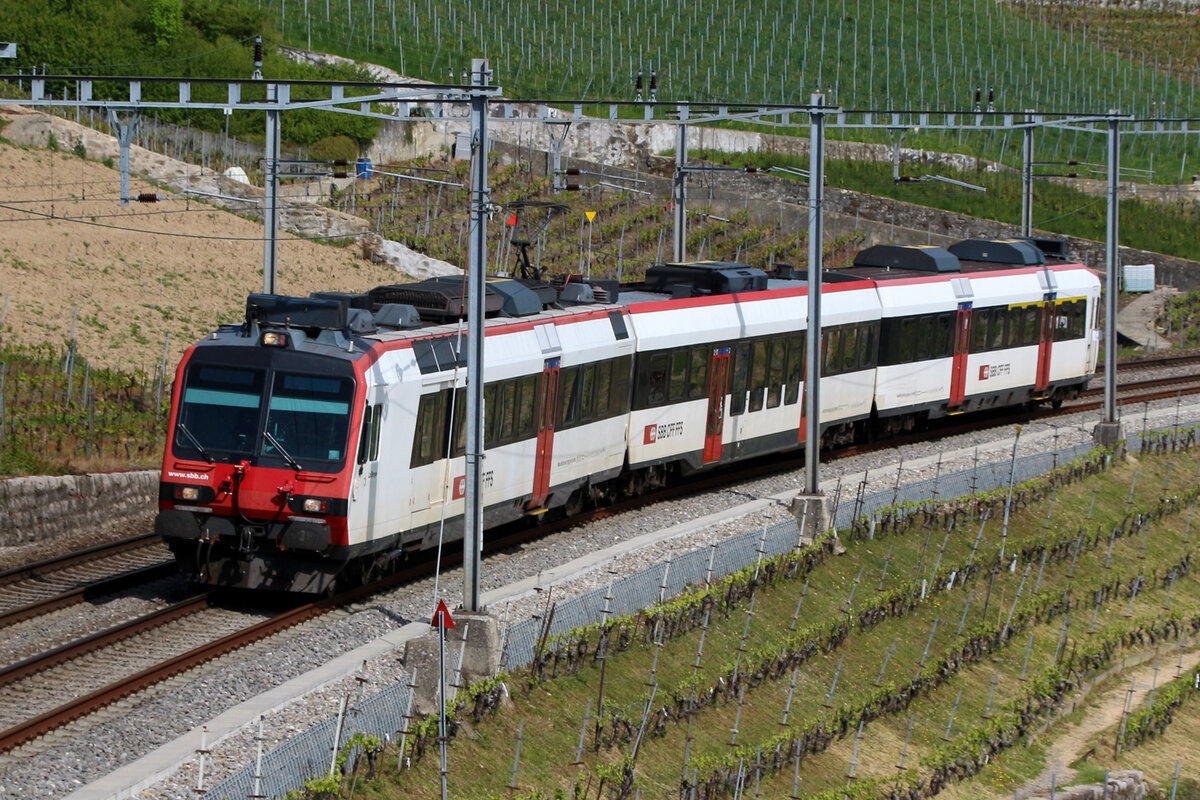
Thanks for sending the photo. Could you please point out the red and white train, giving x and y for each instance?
(325, 435)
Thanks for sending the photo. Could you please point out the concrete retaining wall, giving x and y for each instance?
(37, 508)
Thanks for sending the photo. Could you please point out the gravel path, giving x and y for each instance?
(89, 749)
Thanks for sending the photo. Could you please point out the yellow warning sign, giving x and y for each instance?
(591, 215)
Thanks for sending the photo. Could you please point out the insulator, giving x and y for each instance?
(341, 174)
(991, 95)
(147, 197)
(258, 51)
(639, 82)
(752, 170)
(572, 171)
(978, 95)
(653, 80)
(572, 187)
(341, 162)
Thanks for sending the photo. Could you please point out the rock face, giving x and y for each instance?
(38, 508)
(1124, 785)
(404, 259)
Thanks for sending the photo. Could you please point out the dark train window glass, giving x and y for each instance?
(741, 379)
(568, 411)
(220, 408)
(506, 397)
(980, 319)
(1076, 326)
(308, 417)
(794, 371)
(364, 439)
(658, 379)
(459, 435)
(679, 369)
(776, 356)
(619, 388)
(526, 402)
(850, 351)
(1033, 324)
(587, 394)
(376, 424)
(617, 320)
(490, 420)
(925, 338)
(909, 334)
(698, 374)
(758, 375)
(998, 335)
(601, 388)
(943, 335)
(870, 345)
(1063, 314)
(430, 426)
(832, 345)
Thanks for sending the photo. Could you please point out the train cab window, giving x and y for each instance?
(794, 371)
(679, 370)
(376, 427)
(364, 439)
(698, 373)
(218, 406)
(741, 379)
(758, 375)
(568, 411)
(526, 401)
(308, 419)
(776, 356)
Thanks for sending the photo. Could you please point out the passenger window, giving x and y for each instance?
(601, 388)
(460, 421)
(758, 376)
(490, 420)
(850, 354)
(908, 340)
(567, 412)
(698, 380)
(429, 428)
(619, 399)
(999, 329)
(376, 424)
(794, 372)
(506, 400)
(979, 329)
(587, 394)
(525, 406)
(777, 356)
(943, 331)
(741, 378)
(679, 368)
(658, 379)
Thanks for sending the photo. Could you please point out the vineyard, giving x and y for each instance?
(60, 416)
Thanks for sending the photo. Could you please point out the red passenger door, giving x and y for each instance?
(547, 411)
(962, 348)
(718, 385)
(1045, 342)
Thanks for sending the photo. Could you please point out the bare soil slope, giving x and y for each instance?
(139, 272)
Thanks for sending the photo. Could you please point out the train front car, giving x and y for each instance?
(257, 465)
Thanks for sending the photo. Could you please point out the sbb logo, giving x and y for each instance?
(460, 487)
(651, 434)
(983, 372)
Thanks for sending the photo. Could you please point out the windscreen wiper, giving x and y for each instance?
(293, 463)
(196, 443)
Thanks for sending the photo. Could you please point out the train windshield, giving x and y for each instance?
(219, 412)
(308, 419)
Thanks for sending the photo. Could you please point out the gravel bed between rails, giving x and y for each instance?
(64, 761)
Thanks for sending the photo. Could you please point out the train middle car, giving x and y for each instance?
(324, 436)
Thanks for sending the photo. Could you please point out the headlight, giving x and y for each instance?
(314, 506)
(275, 339)
(187, 493)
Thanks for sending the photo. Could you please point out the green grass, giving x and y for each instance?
(481, 755)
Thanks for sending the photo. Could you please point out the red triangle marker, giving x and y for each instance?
(441, 617)
(512, 221)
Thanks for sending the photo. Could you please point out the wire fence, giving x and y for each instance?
(385, 713)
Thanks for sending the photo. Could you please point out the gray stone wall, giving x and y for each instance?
(38, 508)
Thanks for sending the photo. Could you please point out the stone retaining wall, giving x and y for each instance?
(37, 508)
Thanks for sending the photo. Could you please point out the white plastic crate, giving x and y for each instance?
(1139, 277)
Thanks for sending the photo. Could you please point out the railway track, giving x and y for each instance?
(54, 583)
(162, 644)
